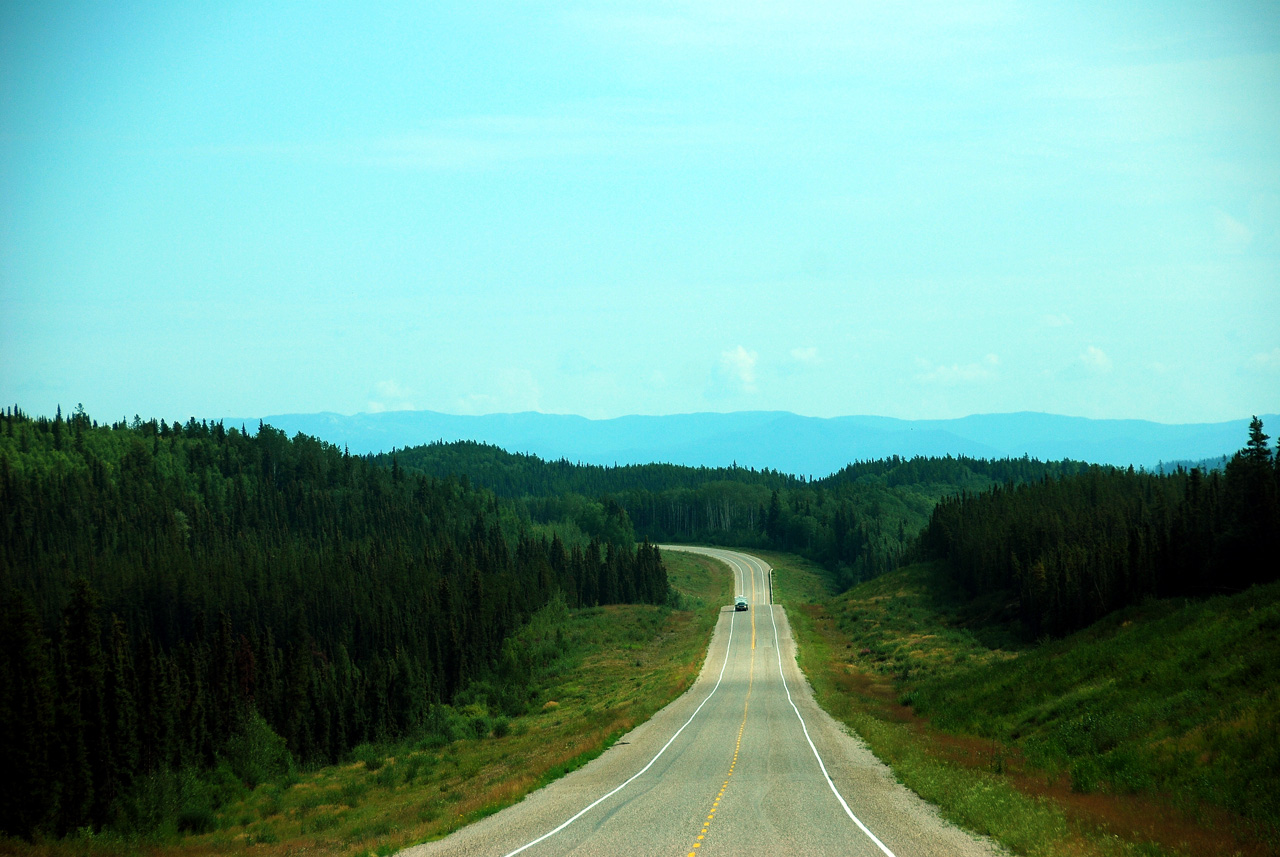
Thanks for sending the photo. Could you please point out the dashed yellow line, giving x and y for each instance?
(737, 748)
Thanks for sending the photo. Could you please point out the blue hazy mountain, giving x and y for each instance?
(780, 440)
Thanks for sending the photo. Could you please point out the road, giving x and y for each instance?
(743, 763)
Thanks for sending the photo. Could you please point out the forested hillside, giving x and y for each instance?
(857, 522)
(1076, 547)
(173, 597)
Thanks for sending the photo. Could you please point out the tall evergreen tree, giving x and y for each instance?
(29, 790)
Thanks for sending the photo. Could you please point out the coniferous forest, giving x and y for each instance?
(188, 599)
(1069, 541)
(858, 522)
(184, 597)
(1075, 548)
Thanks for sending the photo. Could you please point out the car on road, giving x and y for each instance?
(739, 603)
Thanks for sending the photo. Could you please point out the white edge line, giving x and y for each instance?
(603, 798)
(830, 784)
(778, 647)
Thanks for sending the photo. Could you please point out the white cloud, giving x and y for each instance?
(388, 396)
(808, 355)
(516, 391)
(957, 373)
(477, 403)
(1055, 320)
(1233, 236)
(520, 391)
(739, 365)
(1095, 359)
(1267, 361)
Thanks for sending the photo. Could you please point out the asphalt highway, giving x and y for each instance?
(743, 763)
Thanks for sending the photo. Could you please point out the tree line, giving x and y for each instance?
(182, 596)
(858, 522)
(1076, 547)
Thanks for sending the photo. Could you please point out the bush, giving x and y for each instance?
(257, 754)
(413, 765)
(1084, 775)
(478, 722)
(479, 726)
(153, 801)
(443, 725)
(196, 819)
(388, 777)
(369, 755)
(185, 799)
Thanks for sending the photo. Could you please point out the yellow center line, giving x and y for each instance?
(751, 678)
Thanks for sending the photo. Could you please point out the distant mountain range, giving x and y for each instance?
(783, 441)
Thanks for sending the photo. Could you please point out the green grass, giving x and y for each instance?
(617, 665)
(1174, 698)
(1151, 732)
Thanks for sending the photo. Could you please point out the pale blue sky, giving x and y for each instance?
(605, 209)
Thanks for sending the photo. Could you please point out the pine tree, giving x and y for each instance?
(121, 713)
(773, 523)
(1256, 449)
(83, 756)
(29, 787)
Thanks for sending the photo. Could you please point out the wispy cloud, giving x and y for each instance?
(739, 366)
(806, 356)
(1266, 361)
(388, 396)
(1233, 237)
(957, 373)
(1060, 319)
(1095, 360)
(513, 390)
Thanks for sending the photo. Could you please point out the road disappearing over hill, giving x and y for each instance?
(744, 763)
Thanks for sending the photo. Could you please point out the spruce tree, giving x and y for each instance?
(1256, 449)
(29, 787)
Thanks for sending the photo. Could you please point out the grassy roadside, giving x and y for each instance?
(615, 667)
(1103, 743)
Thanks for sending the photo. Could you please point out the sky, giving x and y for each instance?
(913, 210)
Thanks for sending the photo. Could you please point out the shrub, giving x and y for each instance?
(369, 755)
(479, 726)
(1084, 775)
(257, 754)
(196, 819)
(388, 777)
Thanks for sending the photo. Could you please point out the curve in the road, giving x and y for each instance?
(649, 794)
(731, 557)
